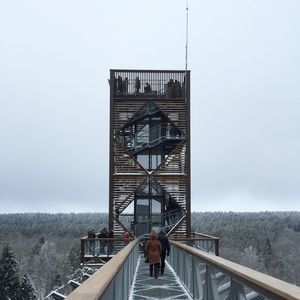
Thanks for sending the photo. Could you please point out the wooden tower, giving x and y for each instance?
(149, 183)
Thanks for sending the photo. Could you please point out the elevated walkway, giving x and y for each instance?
(191, 274)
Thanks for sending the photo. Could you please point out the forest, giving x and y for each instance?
(46, 247)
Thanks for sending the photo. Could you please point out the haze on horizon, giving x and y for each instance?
(55, 57)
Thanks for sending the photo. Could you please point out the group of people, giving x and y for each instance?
(121, 86)
(104, 233)
(137, 86)
(172, 89)
(156, 250)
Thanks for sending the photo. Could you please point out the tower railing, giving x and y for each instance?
(154, 84)
(209, 277)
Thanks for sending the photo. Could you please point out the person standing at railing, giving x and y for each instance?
(137, 85)
(153, 252)
(91, 235)
(101, 235)
(165, 249)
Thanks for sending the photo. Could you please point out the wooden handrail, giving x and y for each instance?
(261, 283)
(205, 235)
(106, 239)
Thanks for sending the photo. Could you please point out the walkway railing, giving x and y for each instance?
(113, 280)
(97, 249)
(209, 277)
(206, 242)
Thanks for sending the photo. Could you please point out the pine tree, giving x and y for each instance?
(27, 291)
(9, 277)
(268, 256)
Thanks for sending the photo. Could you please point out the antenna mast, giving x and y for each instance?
(186, 36)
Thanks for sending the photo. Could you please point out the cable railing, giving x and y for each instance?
(208, 277)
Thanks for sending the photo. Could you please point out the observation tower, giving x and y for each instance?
(149, 152)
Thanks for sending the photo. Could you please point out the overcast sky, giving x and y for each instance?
(55, 58)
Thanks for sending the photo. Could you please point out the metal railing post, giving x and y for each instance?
(82, 251)
(217, 251)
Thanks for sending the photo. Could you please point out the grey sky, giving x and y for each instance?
(55, 58)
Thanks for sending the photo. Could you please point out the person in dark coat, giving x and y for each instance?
(91, 243)
(137, 85)
(165, 249)
(153, 251)
(103, 234)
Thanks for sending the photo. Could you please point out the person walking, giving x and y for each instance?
(165, 249)
(153, 251)
(91, 242)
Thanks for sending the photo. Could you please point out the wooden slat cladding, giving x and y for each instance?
(124, 186)
(124, 109)
(180, 230)
(124, 163)
(176, 186)
(175, 163)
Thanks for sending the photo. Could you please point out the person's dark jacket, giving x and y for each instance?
(165, 245)
(103, 233)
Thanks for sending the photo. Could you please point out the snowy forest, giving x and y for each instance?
(42, 250)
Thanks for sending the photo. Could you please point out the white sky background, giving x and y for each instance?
(55, 58)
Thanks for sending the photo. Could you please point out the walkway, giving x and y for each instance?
(167, 286)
